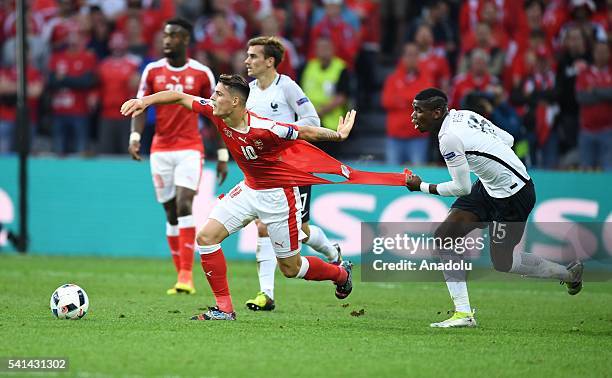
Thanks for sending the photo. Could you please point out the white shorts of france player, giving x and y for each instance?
(280, 209)
(170, 169)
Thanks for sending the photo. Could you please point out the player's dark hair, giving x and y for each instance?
(272, 47)
(433, 98)
(236, 84)
(182, 23)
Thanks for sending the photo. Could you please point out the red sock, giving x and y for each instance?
(320, 270)
(173, 243)
(215, 270)
(187, 241)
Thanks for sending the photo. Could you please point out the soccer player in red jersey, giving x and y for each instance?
(177, 151)
(269, 191)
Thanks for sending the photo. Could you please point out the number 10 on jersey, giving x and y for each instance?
(249, 152)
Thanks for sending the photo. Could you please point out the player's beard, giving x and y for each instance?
(173, 54)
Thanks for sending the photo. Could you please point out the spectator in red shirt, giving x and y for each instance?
(299, 19)
(483, 39)
(581, 12)
(71, 80)
(343, 36)
(8, 103)
(291, 61)
(67, 22)
(220, 43)
(404, 142)
(477, 78)
(534, 94)
(594, 95)
(118, 77)
(151, 20)
(432, 60)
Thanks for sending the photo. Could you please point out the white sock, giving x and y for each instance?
(303, 268)
(320, 243)
(459, 294)
(266, 265)
(530, 265)
(186, 221)
(456, 282)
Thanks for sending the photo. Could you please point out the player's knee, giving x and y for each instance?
(204, 238)
(262, 229)
(183, 208)
(289, 270)
(502, 262)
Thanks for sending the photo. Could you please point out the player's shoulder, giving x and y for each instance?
(287, 83)
(453, 122)
(460, 116)
(197, 66)
(156, 65)
(261, 122)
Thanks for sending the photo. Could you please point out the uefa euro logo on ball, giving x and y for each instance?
(69, 301)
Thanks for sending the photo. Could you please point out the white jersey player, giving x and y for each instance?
(278, 97)
(502, 197)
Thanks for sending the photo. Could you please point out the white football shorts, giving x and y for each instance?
(170, 169)
(279, 208)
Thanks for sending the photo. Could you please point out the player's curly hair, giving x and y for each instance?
(272, 47)
(237, 85)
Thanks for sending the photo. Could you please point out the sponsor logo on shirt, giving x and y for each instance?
(258, 144)
(204, 101)
(274, 107)
(189, 80)
(242, 139)
(302, 101)
(449, 156)
(228, 132)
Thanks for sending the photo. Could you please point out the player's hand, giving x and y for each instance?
(134, 150)
(413, 183)
(345, 125)
(221, 172)
(133, 107)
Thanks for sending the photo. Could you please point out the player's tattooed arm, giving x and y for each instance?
(321, 134)
(137, 106)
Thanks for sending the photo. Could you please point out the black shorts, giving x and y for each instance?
(508, 214)
(305, 196)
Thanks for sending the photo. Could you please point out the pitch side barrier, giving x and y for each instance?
(107, 207)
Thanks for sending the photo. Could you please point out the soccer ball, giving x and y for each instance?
(69, 302)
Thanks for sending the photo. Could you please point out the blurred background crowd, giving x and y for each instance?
(540, 69)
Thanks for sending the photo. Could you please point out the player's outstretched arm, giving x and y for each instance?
(137, 106)
(321, 134)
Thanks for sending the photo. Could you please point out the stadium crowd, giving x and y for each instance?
(540, 69)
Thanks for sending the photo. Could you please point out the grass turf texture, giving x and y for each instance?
(527, 327)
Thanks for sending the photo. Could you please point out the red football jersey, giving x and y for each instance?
(176, 128)
(8, 112)
(257, 150)
(114, 74)
(72, 101)
(270, 156)
(595, 117)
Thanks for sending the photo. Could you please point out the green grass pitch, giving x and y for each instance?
(528, 328)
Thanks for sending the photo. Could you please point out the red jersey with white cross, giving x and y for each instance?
(176, 128)
(257, 150)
